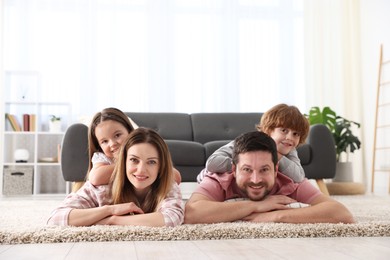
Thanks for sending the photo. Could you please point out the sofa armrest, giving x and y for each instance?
(74, 153)
(322, 163)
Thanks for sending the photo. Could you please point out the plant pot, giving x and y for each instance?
(55, 126)
(344, 172)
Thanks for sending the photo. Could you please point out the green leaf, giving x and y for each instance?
(340, 128)
(326, 117)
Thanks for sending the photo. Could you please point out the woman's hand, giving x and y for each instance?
(125, 209)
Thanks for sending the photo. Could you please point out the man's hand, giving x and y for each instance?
(274, 202)
(267, 208)
(262, 217)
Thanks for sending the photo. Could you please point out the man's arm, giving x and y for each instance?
(323, 209)
(202, 209)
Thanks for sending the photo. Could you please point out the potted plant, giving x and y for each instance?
(55, 124)
(345, 141)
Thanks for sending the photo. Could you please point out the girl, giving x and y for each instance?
(141, 191)
(107, 131)
(287, 126)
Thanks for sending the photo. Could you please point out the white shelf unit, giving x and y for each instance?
(42, 145)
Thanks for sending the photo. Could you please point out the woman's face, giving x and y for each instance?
(142, 166)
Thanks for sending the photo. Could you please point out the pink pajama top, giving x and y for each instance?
(90, 196)
(222, 187)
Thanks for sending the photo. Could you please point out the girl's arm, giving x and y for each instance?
(290, 165)
(100, 173)
(102, 168)
(177, 176)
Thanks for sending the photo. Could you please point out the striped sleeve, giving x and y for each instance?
(172, 207)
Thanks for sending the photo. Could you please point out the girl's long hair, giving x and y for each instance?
(106, 114)
(122, 190)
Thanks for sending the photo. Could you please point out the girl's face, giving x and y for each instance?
(142, 166)
(110, 135)
(286, 139)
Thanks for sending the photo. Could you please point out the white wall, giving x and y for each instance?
(2, 118)
(375, 20)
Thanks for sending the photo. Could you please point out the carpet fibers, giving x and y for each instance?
(24, 222)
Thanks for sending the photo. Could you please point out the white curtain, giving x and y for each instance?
(333, 63)
(162, 55)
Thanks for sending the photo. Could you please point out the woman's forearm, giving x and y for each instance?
(88, 217)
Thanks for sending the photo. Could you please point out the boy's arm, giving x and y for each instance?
(221, 159)
(290, 165)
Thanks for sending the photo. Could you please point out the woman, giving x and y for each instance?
(141, 191)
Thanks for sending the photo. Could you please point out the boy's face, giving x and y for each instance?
(286, 139)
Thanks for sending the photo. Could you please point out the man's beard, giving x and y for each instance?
(258, 197)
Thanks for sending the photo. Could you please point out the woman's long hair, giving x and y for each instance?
(122, 190)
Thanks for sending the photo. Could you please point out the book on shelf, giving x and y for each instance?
(32, 121)
(26, 122)
(13, 120)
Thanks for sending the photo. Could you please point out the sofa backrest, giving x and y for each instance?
(209, 127)
(171, 126)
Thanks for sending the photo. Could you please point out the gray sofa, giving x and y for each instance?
(192, 138)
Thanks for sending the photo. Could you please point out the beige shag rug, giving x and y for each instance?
(23, 222)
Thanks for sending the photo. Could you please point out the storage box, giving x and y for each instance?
(18, 180)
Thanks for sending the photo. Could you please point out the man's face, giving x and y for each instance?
(255, 174)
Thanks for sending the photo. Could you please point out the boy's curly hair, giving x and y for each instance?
(285, 116)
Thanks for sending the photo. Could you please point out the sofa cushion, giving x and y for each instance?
(186, 152)
(209, 127)
(174, 126)
(189, 173)
(212, 146)
(188, 157)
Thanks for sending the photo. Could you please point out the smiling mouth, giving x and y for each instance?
(256, 187)
(140, 178)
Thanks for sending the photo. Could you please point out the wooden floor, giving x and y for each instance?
(290, 248)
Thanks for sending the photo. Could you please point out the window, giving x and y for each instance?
(166, 55)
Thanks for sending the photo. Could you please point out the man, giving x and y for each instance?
(255, 191)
